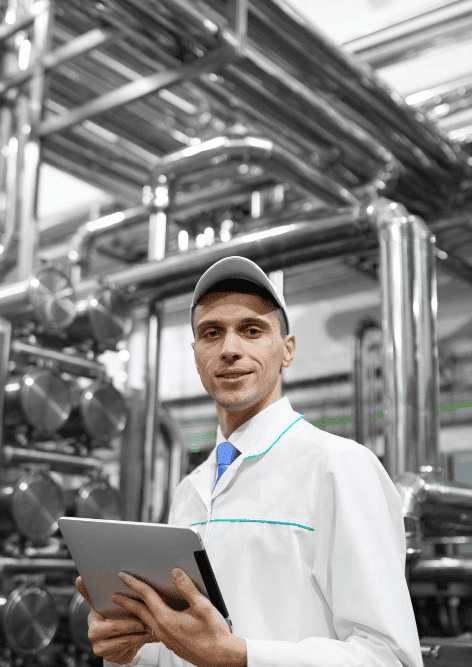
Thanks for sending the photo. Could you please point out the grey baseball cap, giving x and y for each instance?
(237, 267)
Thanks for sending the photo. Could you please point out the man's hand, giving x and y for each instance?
(116, 638)
(198, 634)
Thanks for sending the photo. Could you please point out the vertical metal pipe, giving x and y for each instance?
(30, 112)
(5, 337)
(158, 197)
(409, 312)
(399, 345)
(367, 343)
(179, 460)
(426, 309)
(152, 423)
(132, 444)
(358, 388)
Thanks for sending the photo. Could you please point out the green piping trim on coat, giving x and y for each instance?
(286, 523)
(302, 414)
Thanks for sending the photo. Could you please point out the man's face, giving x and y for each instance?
(237, 332)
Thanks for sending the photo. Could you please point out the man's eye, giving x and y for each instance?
(210, 332)
(254, 329)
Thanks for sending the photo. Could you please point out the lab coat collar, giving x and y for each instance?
(253, 439)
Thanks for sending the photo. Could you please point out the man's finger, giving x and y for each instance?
(82, 588)
(113, 628)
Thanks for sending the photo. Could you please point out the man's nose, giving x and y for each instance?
(231, 345)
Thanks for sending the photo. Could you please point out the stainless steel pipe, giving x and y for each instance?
(409, 312)
(5, 340)
(11, 566)
(281, 162)
(152, 426)
(442, 570)
(68, 363)
(434, 27)
(87, 233)
(54, 460)
(260, 246)
(442, 508)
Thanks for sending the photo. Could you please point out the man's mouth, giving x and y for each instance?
(233, 375)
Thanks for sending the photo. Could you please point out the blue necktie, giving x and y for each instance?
(226, 453)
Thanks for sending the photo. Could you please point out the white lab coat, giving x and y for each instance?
(305, 534)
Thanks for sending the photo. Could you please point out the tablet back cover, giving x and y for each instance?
(149, 551)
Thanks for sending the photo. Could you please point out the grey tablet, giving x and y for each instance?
(148, 551)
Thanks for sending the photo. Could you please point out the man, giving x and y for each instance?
(304, 530)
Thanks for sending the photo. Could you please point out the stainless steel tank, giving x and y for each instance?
(105, 316)
(94, 500)
(32, 505)
(29, 619)
(101, 413)
(52, 298)
(40, 397)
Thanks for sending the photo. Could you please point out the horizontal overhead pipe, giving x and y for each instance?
(304, 68)
(432, 98)
(258, 245)
(277, 160)
(234, 192)
(442, 570)
(56, 460)
(10, 566)
(350, 80)
(69, 363)
(257, 149)
(86, 233)
(135, 90)
(407, 39)
(75, 47)
(342, 132)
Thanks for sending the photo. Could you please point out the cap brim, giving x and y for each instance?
(237, 267)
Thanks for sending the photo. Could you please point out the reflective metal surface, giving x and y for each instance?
(54, 460)
(311, 235)
(10, 566)
(436, 27)
(368, 392)
(41, 397)
(5, 338)
(32, 506)
(409, 313)
(151, 428)
(52, 297)
(19, 139)
(107, 318)
(30, 619)
(442, 570)
(142, 94)
(443, 508)
(78, 612)
(95, 500)
(68, 363)
(101, 413)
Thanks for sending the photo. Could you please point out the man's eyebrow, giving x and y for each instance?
(246, 320)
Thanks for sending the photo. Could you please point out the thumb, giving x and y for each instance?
(82, 588)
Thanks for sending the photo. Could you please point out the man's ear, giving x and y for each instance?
(289, 351)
